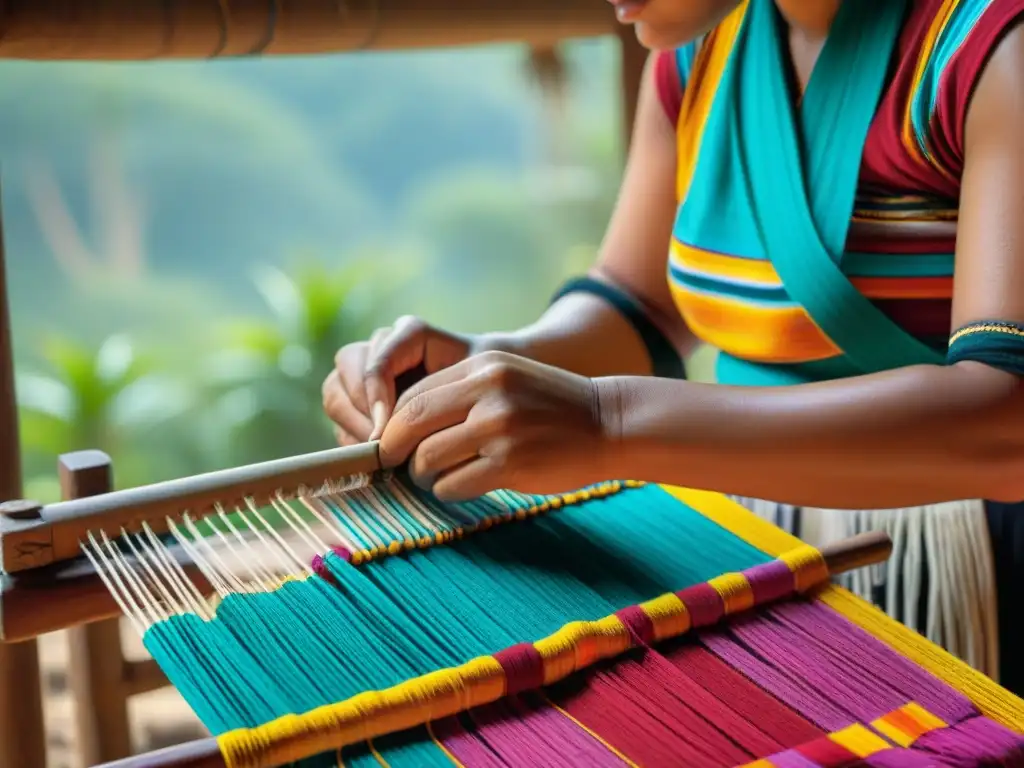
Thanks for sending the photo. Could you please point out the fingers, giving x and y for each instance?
(410, 344)
(468, 481)
(392, 353)
(341, 408)
(425, 415)
(443, 452)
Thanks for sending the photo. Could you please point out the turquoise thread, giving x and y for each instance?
(410, 614)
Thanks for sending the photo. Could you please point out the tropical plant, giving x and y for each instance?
(105, 396)
(267, 374)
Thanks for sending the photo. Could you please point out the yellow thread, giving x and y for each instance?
(377, 755)
(668, 615)
(442, 747)
(596, 737)
(921, 721)
(993, 701)
(735, 590)
(763, 763)
(445, 692)
(986, 328)
(808, 566)
(924, 717)
(896, 735)
(443, 537)
(579, 644)
(859, 740)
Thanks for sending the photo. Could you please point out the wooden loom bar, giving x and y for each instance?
(66, 594)
(842, 556)
(33, 536)
(148, 29)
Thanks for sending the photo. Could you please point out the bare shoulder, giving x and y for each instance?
(999, 94)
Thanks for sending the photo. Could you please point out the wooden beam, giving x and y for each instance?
(148, 29)
(22, 737)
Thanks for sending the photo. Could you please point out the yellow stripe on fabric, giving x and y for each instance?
(587, 730)
(756, 332)
(909, 135)
(992, 700)
(760, 273)
(859, 740)
(907, 724)
(808, 566)
(699, 95)
(668, 616)
(713, 264)
(579, 644)
(736, 592)
(443, 748)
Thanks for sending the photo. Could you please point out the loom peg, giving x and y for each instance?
(21, 509)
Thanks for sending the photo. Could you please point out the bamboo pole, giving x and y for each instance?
(148, 29)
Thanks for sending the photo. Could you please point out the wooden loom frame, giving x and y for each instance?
(101, 679)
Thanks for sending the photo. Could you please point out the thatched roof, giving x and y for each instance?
(147, 29)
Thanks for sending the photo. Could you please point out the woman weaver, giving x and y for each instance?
(836, 192)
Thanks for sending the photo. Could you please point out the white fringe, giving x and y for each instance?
(951, 540)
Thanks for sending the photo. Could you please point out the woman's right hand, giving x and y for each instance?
(359, 394)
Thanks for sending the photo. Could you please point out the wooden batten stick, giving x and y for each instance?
(32, 536)
(859, 551)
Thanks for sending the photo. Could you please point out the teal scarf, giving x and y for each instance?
(801, 172)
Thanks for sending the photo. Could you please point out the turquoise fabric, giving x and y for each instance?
(311, 643)
(778, 182)
(803, 172)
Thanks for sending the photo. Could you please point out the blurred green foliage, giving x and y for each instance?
(189, 243)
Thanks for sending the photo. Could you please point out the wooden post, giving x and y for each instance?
(22, 736)
(96, 666)
(634, 59)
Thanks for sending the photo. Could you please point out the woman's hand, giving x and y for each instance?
(496, 420)
(359, 394)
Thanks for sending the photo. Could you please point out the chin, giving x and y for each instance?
(657, 38)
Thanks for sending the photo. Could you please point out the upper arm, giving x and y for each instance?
(634, 252)
(989, 275)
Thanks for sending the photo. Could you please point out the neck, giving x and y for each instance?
(809, 18)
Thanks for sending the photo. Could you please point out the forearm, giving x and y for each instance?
(584, 334)
(907, 437)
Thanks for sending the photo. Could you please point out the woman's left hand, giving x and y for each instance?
(498, 421)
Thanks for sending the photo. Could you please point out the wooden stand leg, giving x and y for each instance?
(22, 736)
(97, 666)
